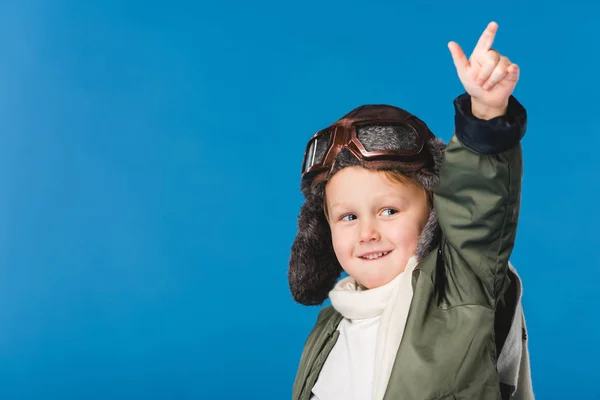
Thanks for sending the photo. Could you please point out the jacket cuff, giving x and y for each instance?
(492, 136)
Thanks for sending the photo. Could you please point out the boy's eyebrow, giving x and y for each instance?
(336, 205)
(381, 198)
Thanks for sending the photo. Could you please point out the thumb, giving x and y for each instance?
(458, 56)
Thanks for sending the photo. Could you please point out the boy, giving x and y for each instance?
(425, 233)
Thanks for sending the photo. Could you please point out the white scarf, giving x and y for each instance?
(390, 301)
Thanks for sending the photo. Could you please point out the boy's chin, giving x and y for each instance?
(375, 282)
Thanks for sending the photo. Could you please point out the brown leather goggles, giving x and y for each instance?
(377, 142)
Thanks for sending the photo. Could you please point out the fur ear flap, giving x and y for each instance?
(430, 179)
(313, 268)
(430, 236)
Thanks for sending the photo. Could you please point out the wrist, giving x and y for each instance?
(486, 112)
(492, 136)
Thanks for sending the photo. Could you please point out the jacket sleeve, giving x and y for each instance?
(477, 200)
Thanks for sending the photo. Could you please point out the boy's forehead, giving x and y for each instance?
(365, 182)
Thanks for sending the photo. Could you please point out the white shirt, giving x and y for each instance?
(348, 371)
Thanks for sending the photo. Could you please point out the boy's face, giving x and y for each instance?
(375, 223)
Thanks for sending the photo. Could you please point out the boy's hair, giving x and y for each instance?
(313, 267)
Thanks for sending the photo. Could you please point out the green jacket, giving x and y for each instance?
(449, 346)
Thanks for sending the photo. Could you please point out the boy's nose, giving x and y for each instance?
(369, 232)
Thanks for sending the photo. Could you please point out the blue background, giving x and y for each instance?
(150, 157)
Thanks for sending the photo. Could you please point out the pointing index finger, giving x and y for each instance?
(487, 39)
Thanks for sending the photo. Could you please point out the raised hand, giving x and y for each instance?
(487, 76)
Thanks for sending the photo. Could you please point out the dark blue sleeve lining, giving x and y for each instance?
(489, 136)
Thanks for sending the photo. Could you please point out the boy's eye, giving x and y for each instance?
(389, 211)
(348, 217)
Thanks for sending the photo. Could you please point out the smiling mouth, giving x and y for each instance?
(375, 255)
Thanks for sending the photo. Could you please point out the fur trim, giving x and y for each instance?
(314, 268)
(429, 236)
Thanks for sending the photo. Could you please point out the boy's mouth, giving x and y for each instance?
(374, 255)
